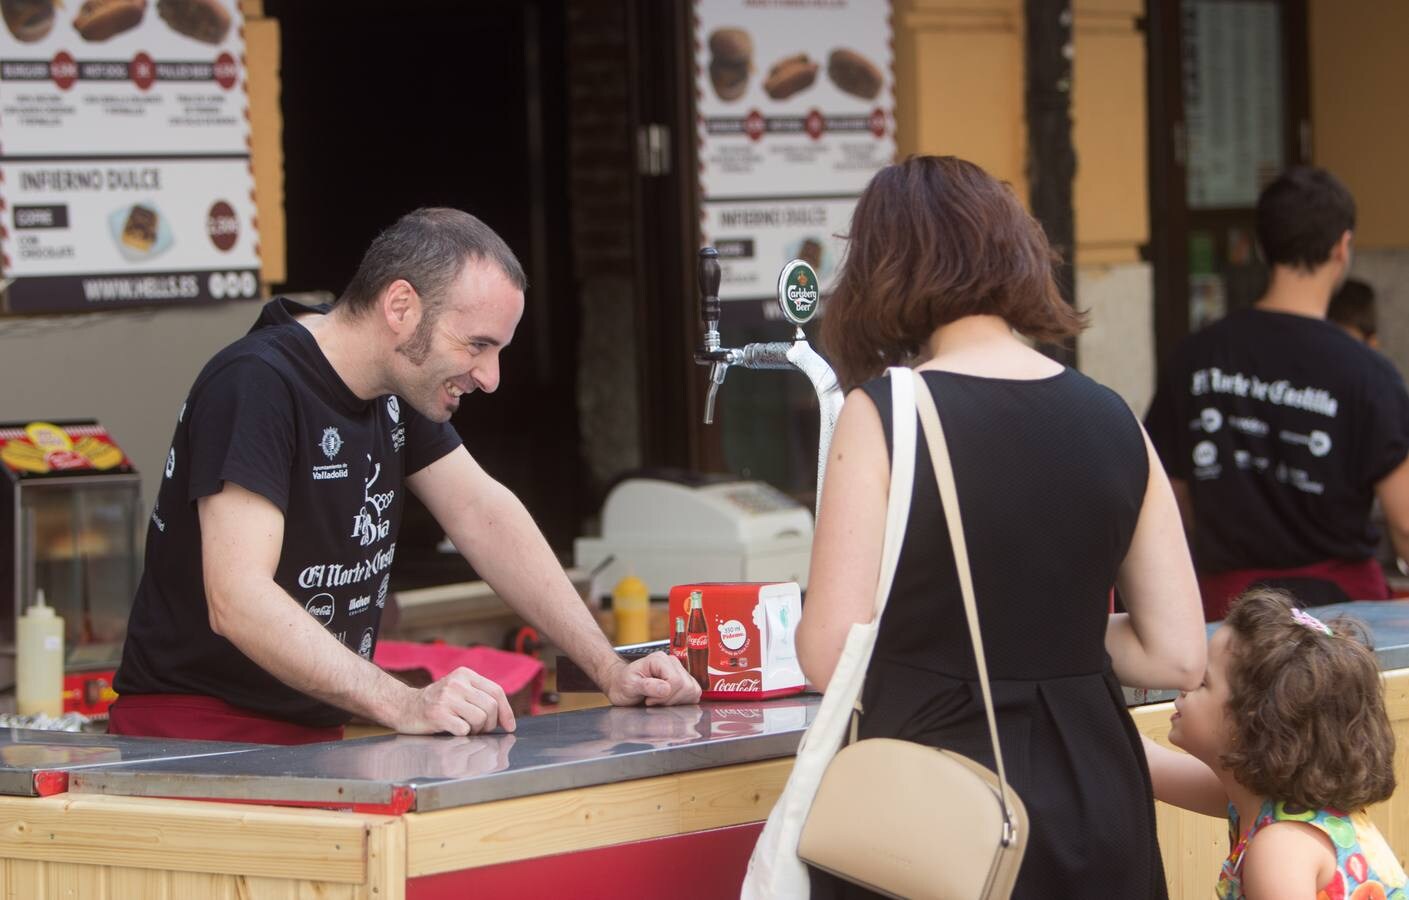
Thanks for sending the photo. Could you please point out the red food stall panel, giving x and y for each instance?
(702, 865)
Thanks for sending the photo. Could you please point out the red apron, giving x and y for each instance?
(199, 718)
(1360, 580)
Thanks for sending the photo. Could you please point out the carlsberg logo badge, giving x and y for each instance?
(802, 298)
(798, 291)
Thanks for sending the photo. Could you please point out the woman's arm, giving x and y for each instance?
(1160, 643)
(846, 547)
(1181, 780)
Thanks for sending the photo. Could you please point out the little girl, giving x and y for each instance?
(1288, 737)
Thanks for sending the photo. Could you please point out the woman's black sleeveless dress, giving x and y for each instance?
(1051, 476)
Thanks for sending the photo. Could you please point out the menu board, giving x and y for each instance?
(125, 172)
(795, 103)
(1233, 100)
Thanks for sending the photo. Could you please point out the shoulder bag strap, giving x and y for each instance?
(902, 483)
(902, 480)
(949, 497)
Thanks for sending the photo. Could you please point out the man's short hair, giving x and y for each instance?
(1353, 306)
(428, 248)
(1301, 216)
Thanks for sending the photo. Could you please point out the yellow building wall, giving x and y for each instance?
(1111, 193)
(1359, 110)
(959, 67)
(266, 136)
(959, 83)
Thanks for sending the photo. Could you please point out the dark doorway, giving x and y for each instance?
(1229, 108)
(446, 103)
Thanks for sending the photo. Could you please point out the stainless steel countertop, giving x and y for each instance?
(25, 753)
(546, 753)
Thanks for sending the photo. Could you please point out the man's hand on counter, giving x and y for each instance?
(658, 679)
(463, 702)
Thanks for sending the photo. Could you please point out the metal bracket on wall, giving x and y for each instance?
(653, 149)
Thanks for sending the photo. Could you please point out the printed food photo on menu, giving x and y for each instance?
(853, 73)
(731, 62)
(139, 231)
(790, 75)
(28, 20)
(98, 20)
(207, 21)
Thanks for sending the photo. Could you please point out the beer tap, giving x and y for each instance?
(799, 294)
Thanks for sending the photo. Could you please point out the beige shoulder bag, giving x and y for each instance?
(876, 818)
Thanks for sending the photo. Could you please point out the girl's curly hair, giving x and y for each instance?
(1309, 724)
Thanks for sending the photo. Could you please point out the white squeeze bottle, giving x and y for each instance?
(39, 664)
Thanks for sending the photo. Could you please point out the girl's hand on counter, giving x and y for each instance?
(463, 702)
(658, 679)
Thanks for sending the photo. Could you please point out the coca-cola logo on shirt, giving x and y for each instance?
(320, 607)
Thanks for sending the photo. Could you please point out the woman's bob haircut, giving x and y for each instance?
(934, 239)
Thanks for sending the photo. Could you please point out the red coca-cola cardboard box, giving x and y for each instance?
(736, 638)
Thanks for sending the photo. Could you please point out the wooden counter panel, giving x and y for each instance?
(526, 827)
(29, 880)
(182, 836)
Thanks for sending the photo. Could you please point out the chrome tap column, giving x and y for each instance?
(799, 295)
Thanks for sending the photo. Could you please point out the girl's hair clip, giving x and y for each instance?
(1306, 619)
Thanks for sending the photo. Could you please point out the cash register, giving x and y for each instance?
(677, 528)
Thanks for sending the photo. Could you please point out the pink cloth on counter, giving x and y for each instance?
(511, 671)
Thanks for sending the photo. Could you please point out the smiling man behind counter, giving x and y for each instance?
(268, 552)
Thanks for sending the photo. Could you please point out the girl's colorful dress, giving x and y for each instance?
(1366, 868)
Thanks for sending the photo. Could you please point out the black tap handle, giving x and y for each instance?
(709, 286)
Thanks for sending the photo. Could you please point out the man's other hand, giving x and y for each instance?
(658, 679)
(463, 702)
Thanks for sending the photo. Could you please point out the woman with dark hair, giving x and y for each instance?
(1062, 499)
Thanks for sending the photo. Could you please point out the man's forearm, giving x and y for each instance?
(520, 566)
(269, 627)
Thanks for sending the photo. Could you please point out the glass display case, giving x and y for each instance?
(71, 514)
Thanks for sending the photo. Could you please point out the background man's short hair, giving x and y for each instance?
(1354, 307)
(1301, 216)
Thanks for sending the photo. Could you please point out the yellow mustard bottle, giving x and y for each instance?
(39, 662)
(631, 607)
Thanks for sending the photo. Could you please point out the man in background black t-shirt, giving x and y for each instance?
(275, 526)
(1278, 429)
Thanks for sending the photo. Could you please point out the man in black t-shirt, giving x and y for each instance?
(1278, 429)
(268, 551)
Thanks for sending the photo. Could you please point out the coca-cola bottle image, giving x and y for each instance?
(697, 641)
(677, 641)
